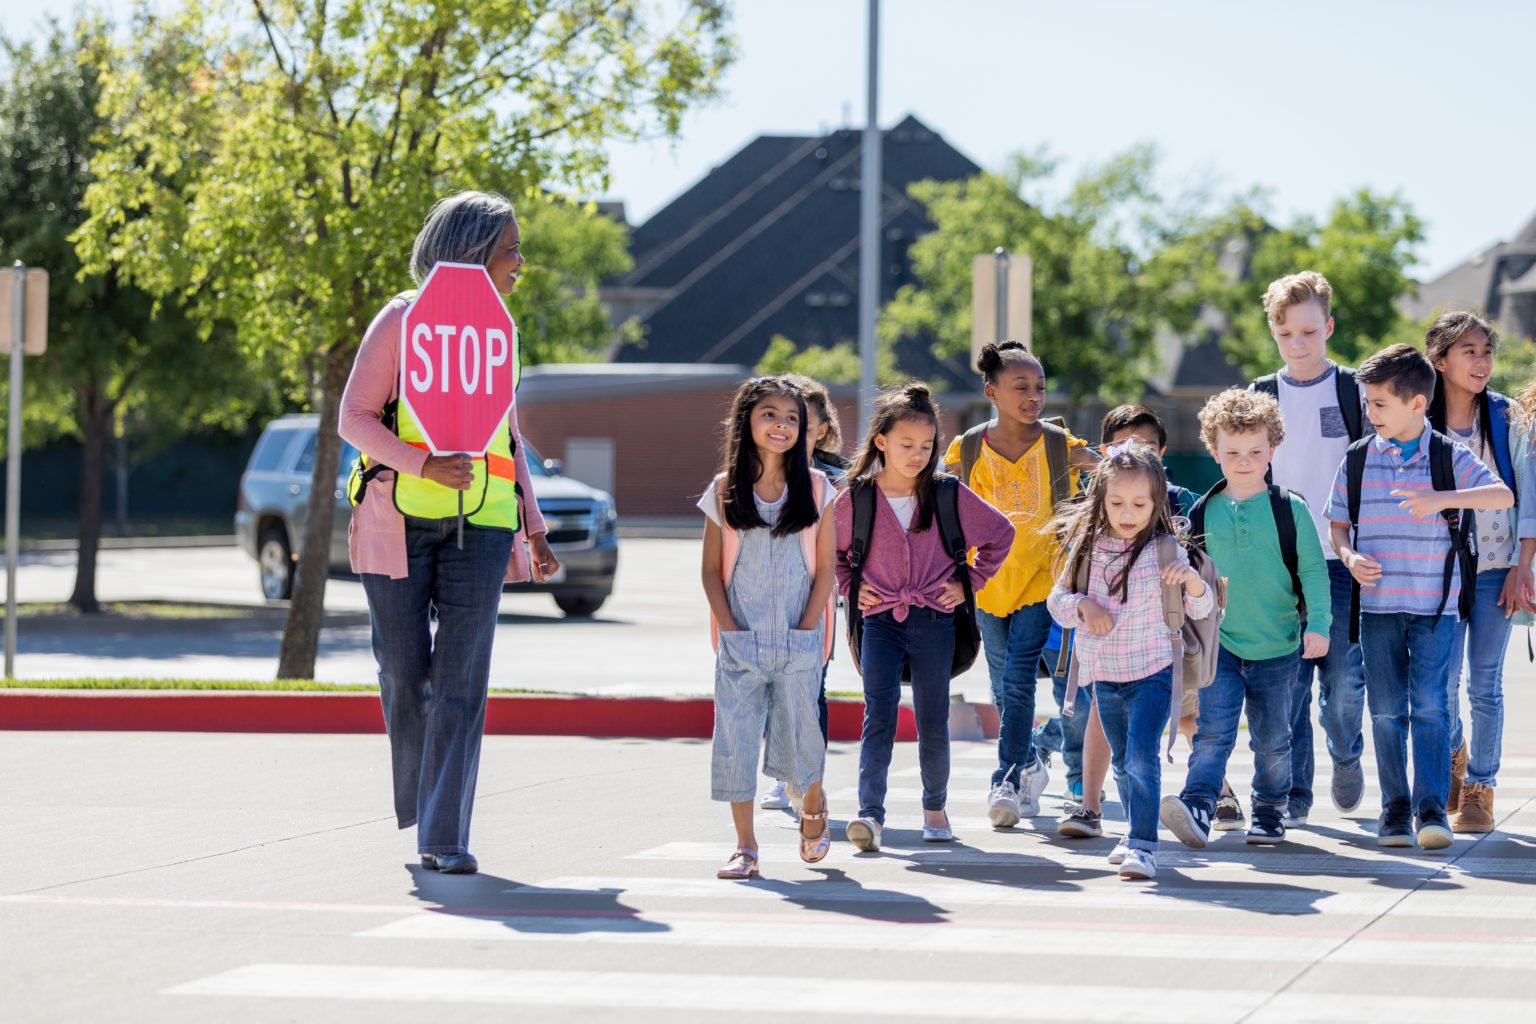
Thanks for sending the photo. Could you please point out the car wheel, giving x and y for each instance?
(274, 561)
(578, 607)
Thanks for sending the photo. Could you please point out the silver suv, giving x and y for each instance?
(274, 500)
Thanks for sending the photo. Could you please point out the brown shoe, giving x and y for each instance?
(1458, 773)
(1476, 814)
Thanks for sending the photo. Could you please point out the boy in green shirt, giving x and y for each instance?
(1242, 519)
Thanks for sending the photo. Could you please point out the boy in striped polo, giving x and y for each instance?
(1408, 589)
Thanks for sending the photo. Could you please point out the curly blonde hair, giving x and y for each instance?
(1239, 412)
(1294, 289)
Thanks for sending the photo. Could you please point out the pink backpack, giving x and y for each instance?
(731, 551)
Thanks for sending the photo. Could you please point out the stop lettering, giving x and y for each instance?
(457, 359)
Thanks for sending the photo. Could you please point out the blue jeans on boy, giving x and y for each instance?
(1064, 732)
(1012, 644)
(926, 642)
(1340, 698)
(1265, 688)
(1134, 716)
(1407, 659)
(1489, 630)
(433, 688)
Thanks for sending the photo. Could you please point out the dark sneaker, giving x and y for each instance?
(1266, 831)
(1191, 824)
(1394, 829)
(1434, 833)
(1229, 815)
(1081, 824)
(1348, 788)
(1296, 815)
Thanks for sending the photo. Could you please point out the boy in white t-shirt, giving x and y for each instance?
(1323, 413)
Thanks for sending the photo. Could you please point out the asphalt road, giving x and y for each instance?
(651, 638)
(214, 878)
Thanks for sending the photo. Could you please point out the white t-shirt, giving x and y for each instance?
(1316, 439)
(905, 509)
(709, 504)
(1495, 540)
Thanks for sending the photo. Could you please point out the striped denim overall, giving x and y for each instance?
(767, 674)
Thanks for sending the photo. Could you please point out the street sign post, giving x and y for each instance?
(1002, 299)
(23, 331)
(457, 363)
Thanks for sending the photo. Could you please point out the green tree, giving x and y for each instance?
(838, 364)
(112, 349)
(315, 134)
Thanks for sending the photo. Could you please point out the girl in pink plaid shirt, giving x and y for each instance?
(1122, 642)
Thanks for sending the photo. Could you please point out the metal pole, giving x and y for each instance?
(1000, 259)
(13, 464)
(869, 225)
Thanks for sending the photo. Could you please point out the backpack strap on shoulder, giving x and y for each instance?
(1269, 384)
(1354, 482)
(1197, 513)
(970, 451)
(1285, 528)
(1463, 554)
(1058, 462)
(1348, 391)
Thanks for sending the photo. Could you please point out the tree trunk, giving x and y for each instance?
(306, 611)
(96, 424)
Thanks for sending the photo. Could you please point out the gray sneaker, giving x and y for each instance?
(1003, 805)
(1348, 787)
(1031, 784)
(1229, 815)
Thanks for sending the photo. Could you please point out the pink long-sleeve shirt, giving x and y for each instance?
(909, 570)
(376, 538)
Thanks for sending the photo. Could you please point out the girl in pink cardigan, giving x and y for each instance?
(433, 687)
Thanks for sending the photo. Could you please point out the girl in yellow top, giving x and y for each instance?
(1011, 473)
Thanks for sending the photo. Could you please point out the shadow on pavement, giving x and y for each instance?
(871, 904)
(527, 908)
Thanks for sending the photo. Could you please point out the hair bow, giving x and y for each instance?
(1111, 450)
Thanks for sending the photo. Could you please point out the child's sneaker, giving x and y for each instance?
(1138, 864)
(1295, 815)
(864, 833)
(1119, 853)
(1394, 829)
(1191, 824)
(1266, 831)
(1003, 805)
(1081, 824)
(1229, 815)
(1031, 786)
(1348, 788)
(1433, 833)
(775, 799)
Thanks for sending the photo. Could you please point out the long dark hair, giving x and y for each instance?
(743, 466)
(1080, 525)
(1443, 334)
(908, 402)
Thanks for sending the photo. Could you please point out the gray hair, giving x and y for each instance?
(463, 228)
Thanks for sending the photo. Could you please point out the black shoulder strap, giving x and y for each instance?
(1349, 402)
(1354, 481)
(946, 508)
(1197, 513)
(1285, 527)
(1268, 384)
(863, 522)
(1463, 555)
(970, 451)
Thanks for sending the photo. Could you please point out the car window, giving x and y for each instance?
(306, 463)
(348, 456)
(270, 450)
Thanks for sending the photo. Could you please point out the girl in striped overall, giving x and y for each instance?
(768, 575)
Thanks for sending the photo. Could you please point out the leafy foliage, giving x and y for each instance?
(838, 364)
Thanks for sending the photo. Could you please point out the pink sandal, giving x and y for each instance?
(813, 850)
(742, 865)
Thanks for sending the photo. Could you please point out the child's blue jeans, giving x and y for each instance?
(925, 641)
(1407, 658)
(1134, 715)
(1265, 688)
(1063, 732)
(1488, 630)
(1340, 697)
(1012, 644)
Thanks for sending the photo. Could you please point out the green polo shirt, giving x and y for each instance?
(1261, 620)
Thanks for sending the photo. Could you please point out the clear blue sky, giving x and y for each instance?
(1310, 100)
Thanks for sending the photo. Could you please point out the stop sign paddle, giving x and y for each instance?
(457, 365)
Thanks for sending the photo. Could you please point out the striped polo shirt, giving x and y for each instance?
(1411, 551)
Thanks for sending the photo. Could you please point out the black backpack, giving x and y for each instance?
(1285, 527)
(946, 514)
(1346, 388)
(1463, 552)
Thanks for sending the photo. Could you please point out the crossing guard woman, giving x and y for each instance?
(403, 546)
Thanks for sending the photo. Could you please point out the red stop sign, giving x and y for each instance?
(456, 359)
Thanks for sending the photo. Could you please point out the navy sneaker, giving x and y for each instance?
(1395, 829)
(1191, 824)
(1295, 815)
(1434, 832)
(1266, 830)
(1348, 788)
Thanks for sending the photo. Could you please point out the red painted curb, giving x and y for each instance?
(506, 714)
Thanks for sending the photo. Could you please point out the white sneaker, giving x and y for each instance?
(1138, 864)
(1003, 805)
(1031, 785)
(775, 799)
(864, 833)
(1118, 854)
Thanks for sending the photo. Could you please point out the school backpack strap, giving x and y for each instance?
(1269, 384)
(1285, 528)
(1197, 513)
(1497, 423)
(1058, 461)
(1463, 553)
(730, 551)
(1081, 568)
(946, 508)
(1354, 480)
(970, 451)
(1173, 619)
(862, 495)
(1348, 390)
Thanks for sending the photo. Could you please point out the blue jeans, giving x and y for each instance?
(1489, 630)
(1407, 658)
(1340, 697)
(1134, 715)
(1013, 644)
(1265, 687)
(926, 642)
(1064, 732)
(434, 687)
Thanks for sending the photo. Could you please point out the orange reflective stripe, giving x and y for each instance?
(499, 465)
